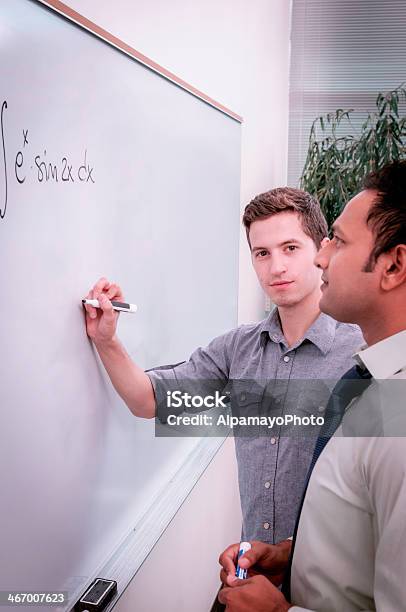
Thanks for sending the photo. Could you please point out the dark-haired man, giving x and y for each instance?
(285, 228)
(350, 550)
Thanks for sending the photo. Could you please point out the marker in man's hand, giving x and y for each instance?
(120, 306)
(240, 572)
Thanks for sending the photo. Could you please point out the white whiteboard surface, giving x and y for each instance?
(79, 475)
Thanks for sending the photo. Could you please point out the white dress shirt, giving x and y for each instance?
(350, 552)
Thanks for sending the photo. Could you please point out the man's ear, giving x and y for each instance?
(324, 242)
(394, 267)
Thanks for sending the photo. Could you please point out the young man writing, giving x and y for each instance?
(285, 229)
(350, 550)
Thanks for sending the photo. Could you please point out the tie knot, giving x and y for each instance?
(362, 372)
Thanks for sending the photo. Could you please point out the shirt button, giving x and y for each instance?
(266, 525)
(267, 484)
(273, 440)
(321, 408)
(286, 359)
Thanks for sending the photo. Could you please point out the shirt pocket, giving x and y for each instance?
(312, 397)
(309, 408)
(256, 406)
(246, 401)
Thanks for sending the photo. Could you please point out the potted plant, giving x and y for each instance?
(338, 157)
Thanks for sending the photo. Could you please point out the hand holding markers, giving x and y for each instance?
(101, 323)
(256, 593)
(266, 564)
(270, 560)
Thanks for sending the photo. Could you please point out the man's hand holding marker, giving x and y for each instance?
(129, 380)
(101, 323)
(265, 565)
(270, 560)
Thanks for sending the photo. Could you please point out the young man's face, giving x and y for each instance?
(349, 293)
(283, 258)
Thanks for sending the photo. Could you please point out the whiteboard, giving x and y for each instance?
(106, 168)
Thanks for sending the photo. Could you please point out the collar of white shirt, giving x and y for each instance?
(385, 358)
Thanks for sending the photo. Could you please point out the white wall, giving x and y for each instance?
(237, 52)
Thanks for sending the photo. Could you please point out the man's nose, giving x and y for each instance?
(277, 266)
(321, 259)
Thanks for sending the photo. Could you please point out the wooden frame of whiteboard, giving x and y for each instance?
(132, 551)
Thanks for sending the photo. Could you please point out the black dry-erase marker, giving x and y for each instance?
(97, 596)
(122, 306)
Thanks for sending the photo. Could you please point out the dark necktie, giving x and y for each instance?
(351, 385)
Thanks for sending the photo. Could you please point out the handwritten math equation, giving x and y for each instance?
(38, 167)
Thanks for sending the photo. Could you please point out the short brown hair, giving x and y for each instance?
(285, 199)
(387, 215)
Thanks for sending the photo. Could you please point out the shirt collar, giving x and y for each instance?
(271, 328)
(385, 358)
(321, 333)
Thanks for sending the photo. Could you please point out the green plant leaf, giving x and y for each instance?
(336, 165)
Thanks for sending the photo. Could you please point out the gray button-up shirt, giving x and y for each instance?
(272, 465)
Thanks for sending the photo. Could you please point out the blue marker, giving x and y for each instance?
(239, 572)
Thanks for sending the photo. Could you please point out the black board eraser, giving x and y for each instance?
(97, 596)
